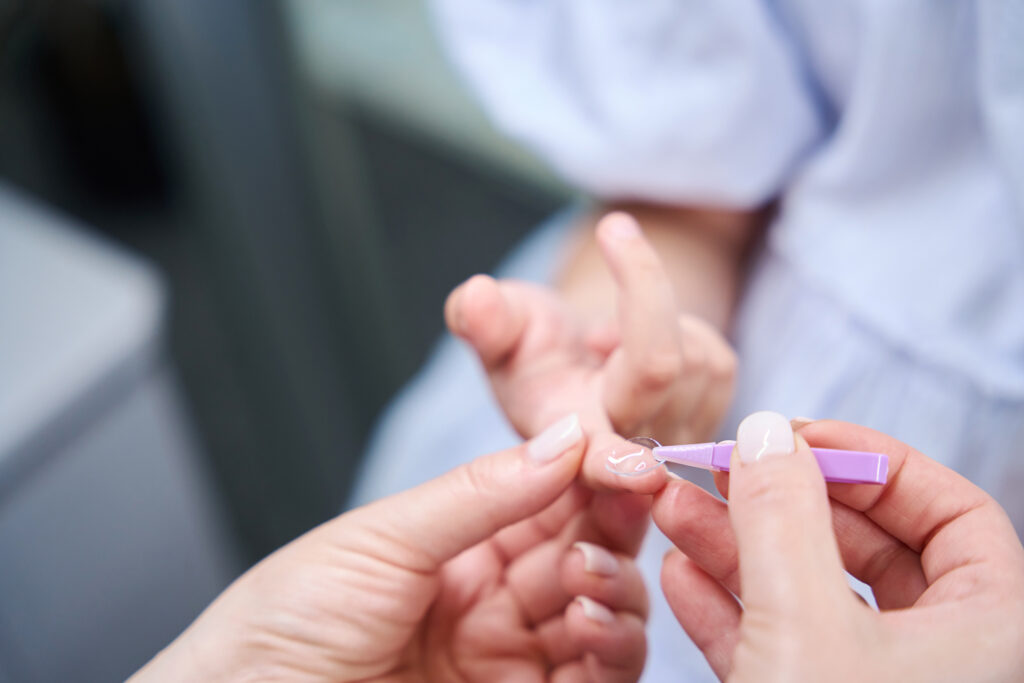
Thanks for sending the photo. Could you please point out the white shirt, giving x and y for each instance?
(892, 134)
(891, 131)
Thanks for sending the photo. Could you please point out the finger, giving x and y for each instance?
(614, 642)
(868, 552)
(721, 483)
(615, 464)
(722, 478)
(603, 337)
(514, 540)
(927, 507)
(529, 577)
(874, 556)
(424, 527)
(597, 573)
(491, 322)
(612, 579)
(718, 375)
(642, 372)
(554, 640)
(707, 612)
(698, 524)
(617, 521)
(571, 672)
(779, 509)
(533, 581)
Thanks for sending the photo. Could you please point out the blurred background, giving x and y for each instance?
(226, 233)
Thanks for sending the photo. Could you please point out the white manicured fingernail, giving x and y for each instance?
(764, 434)
(594, 610)
(597, 560)
(555, 440)
(800, 422)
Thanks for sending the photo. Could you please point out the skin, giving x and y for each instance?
(943, 559)
(704, 252)
(650, 370)
(386, 592)
(945, 564)
(389, 593)
(470, 577)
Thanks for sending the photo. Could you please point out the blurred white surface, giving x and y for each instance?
(385, 56)
(71, 313)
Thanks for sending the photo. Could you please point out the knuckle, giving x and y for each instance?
(645, 263)
(723, 366)
(659, 369)
(476, 479)
(882, 561)
(676, 514)
(694, 359)
(773, 487)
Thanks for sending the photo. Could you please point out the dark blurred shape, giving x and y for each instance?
(69, 60)
(308, 242)
(90, 93)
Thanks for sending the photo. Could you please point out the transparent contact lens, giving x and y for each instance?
(634, 460)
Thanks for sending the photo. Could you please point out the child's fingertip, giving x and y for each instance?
(453, 311)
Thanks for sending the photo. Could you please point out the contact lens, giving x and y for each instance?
(634, 460)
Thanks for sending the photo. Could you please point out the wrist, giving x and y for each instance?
(703, 251)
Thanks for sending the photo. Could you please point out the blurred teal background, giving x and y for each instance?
(306, 180)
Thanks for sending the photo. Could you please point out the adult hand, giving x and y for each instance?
(503, 569)
(944, 561)
(650, 371)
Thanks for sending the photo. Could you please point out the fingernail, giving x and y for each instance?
(623, 226)
(555, 440)
(800, 422)
(631, 460)
(597, 560)
(763, 434)
(594, 610)
(458, 323)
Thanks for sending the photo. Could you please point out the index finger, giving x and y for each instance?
(643, 371)
(613, 463)
(929, 507)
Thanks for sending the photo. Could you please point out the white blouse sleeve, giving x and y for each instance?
(680, 101)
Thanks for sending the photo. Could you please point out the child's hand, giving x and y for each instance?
(650, 372)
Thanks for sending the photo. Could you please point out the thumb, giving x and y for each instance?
(426, 526)
(781, 516)
(481, 311)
